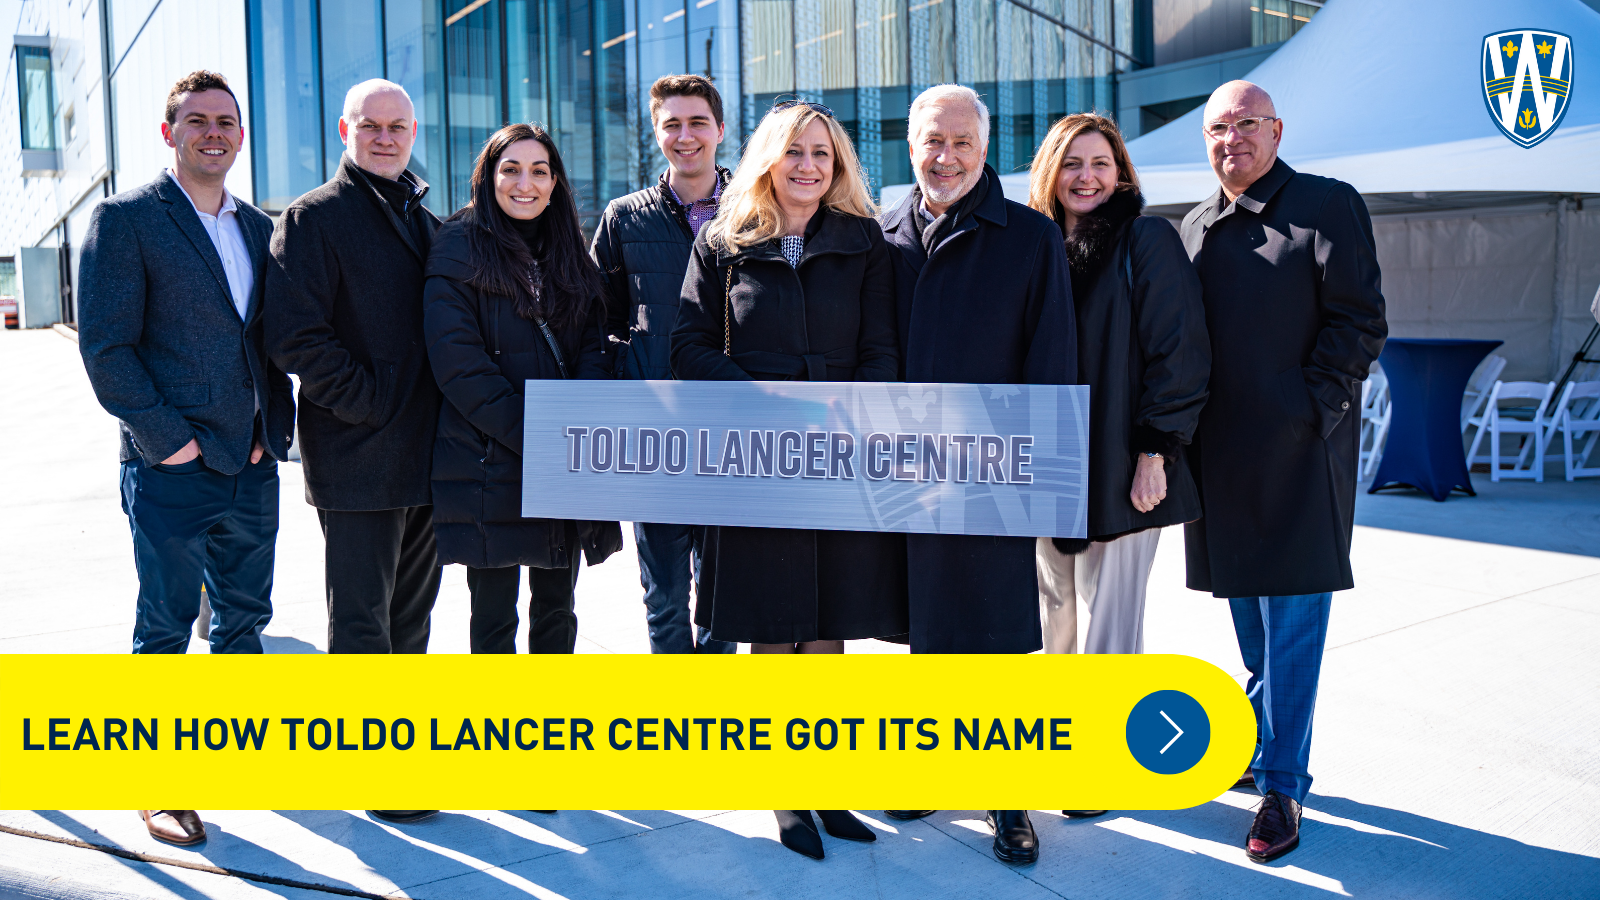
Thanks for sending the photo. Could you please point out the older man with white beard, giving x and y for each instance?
(984, 297)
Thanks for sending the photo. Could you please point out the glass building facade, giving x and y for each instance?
(1272, 21)
(584, 69)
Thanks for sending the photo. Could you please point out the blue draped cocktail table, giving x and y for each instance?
(1427, 378)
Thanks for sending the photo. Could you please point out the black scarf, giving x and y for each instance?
(1092, 242)
(532, 233)
(402, 194)
(530, 306)
(940, 228)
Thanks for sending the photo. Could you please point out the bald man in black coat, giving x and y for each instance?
(1289, 273)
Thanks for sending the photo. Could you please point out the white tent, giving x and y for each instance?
(1386, 95)
(1477, 236)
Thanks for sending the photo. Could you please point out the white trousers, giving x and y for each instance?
(1111, 578)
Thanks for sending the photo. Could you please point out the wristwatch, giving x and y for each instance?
(1154, 456)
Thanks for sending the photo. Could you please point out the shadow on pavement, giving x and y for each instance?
(1346, 847)
(1556, 515)
(220, 849)
(275, 644)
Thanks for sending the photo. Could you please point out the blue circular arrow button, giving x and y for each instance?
(1168, 732)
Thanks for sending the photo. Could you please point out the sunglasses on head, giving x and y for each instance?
(814, 107)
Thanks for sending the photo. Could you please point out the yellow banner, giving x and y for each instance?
(618, 732)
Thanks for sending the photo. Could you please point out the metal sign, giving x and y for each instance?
(1000, 459)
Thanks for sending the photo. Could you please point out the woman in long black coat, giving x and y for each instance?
(793, 282)
(1144, 352)
(510, 296)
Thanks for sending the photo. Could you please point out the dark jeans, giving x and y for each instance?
(552, 625)
(669, 559)
(191, 526)
(383, 576)
(1281, 639)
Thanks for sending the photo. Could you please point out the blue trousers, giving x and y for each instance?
(669, 558)
(1281, 641)
(192, 525)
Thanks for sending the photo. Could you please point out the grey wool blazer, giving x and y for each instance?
(165, 348)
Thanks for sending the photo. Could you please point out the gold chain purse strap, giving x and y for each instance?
(727, 315)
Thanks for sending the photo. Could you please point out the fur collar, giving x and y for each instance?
(1091, 242)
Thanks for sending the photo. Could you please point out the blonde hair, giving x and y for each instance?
(1046, 168)
(749, 214)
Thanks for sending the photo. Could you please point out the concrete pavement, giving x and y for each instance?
(1455, 752)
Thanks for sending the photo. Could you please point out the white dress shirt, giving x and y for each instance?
(228, 238)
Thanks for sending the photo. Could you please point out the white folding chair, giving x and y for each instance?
(1374, 420)
(1496, 423)
(1478, 387)
(1576, 414)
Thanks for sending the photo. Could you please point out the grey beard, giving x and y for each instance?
(951, 196)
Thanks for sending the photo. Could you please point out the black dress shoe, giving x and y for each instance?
(1083, 813)
(1276, 829)
(1014, 840)
(403, 816)
(907, 815)
(841, 824)
(797, 832)
(1246, 782)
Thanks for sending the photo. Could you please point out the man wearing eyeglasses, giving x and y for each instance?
(1291, 289)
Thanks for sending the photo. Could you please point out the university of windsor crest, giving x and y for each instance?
(1527, 82)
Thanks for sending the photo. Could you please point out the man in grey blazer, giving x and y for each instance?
(172, 279)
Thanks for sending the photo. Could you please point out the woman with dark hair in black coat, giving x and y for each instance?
(511, 295)
(1144, 352)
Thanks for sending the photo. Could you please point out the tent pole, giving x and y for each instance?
(1558, 287)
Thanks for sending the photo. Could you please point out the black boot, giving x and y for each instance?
(797, 832)
(841, 824)
(1083, 813)
(403, 816)
(1014, 840)
(907, 815)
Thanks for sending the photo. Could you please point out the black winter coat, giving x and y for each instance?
(482, 353)
(1295, 312)
(1143, 351)
(642, 246)
(991, 305)
(344, 312)
(829, 319)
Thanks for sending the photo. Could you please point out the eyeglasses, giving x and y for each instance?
(814, 107)
(1247, 127)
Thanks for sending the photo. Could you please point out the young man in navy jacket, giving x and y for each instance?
(642, 246)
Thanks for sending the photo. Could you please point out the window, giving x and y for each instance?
(1272, 21)
(36, 97)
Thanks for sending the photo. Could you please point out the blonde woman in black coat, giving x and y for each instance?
(792, 281)
(1144, 352)
(511, 295)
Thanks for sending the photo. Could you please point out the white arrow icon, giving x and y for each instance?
(1175, 726)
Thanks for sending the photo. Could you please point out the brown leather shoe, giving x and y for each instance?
(1276, 829)
(180, 827)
